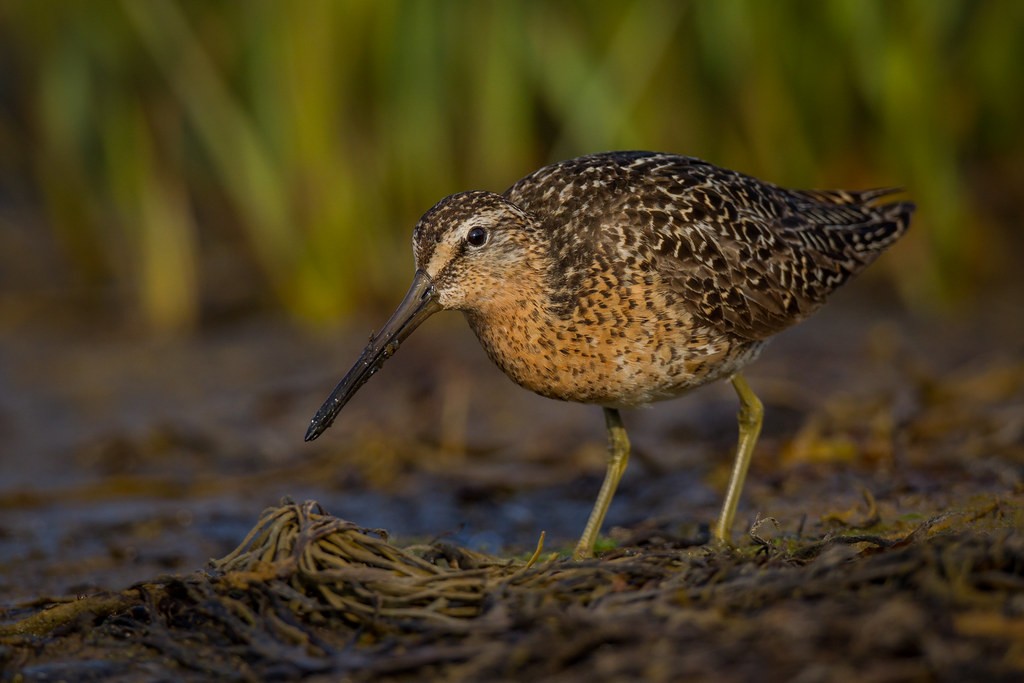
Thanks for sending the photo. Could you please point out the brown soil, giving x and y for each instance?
(883, 515)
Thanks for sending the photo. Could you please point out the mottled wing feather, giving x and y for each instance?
(745, 257)
(846, 196)
(782, 252)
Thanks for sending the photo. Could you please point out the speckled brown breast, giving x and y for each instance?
(615, 350)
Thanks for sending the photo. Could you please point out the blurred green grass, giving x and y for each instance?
(193, 159)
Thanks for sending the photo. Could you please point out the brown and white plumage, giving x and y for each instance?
(629, 277)
(625, 278)
(746, 256)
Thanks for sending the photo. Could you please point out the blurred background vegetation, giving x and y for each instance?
(173, 163)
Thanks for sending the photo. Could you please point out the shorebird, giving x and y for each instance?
(624, 278)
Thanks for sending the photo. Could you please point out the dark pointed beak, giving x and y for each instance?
(419, 304)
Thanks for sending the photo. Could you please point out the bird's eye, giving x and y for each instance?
(476, 237)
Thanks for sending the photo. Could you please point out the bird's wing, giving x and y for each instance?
(747, 257)
(744, 257)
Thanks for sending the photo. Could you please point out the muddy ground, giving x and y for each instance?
(886, 501)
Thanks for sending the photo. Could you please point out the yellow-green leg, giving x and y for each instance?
(749, 418)
(618, 457)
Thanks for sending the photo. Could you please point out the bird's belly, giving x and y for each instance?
(617, 369)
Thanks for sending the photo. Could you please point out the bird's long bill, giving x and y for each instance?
(419, 304)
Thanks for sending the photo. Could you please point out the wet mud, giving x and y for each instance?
(879, 537)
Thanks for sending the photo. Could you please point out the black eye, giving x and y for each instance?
(476, 237)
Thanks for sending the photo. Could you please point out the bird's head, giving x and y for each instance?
(472, 246)
(470, 249)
